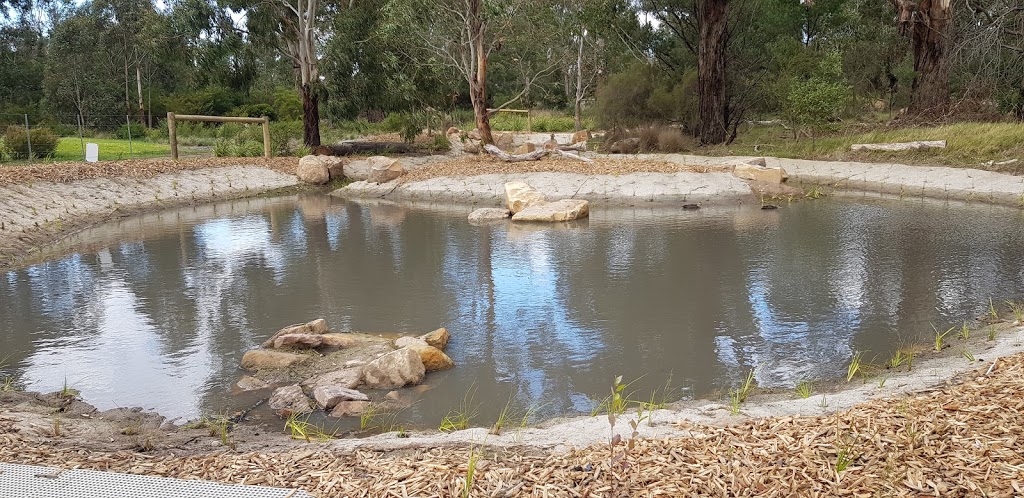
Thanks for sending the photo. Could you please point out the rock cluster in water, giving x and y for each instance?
(311, 367)
(525, 203)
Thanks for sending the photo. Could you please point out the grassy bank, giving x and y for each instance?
(976, 145)
(110, 149)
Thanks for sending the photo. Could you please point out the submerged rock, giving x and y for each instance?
(489, 214)
(563, 210)
(438, 338)
(350, 408)
(520, 195)
(329, 396)
(290, 400)
(261, 359)
(250, 383)
(318, 326)
(393, 370)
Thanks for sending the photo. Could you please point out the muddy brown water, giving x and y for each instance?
(156, 310)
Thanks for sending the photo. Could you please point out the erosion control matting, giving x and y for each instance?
(960, 439)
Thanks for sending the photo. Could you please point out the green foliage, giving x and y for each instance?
(254, 111)
(803, 389)
(16, 142)
(134, 131)
(817, 103)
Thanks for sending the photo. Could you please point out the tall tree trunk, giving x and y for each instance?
(578, 121)
(712, 26)
(925, 23)
(142, 104)
(478, 80)
(310, 116)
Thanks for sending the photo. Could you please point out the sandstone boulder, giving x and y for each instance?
(357, 170)
(504, 140)
(349, 378)
(520, 195)
(526, 148)
(433, 359)
(315, 169)
(261, 359)
(298, 341)
(452, 131)
(758, 173)
(474, 134)
(471, 147)
(580, 136)
(438, 338)
(350, 408)
(337, 341)
(563, 210)
(393, 370)
(337, 170)
(484, 215)
(289, 400)
(329, 396)
(551, 144)
(384, 169)
(315, 327)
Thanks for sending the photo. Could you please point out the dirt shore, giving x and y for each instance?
(945, 428)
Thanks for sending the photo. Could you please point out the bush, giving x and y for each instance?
(672, 140)
(648, 138)
(255, 111)
(818, 102)
(135, 131)
(44, 142)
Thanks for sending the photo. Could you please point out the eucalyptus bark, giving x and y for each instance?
(712, 27)
(926, 23)
(310, 116)
(478, 78)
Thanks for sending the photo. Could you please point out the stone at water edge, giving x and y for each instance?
(329, 396)
(315, 169)
(433, 359)
(483, 215)
(393, 370)
(290, 400)
(384, 169)
(298, 341)
(350, 408)
(407, 340)
(580, 136)
(438, 338)
(337, 341)
(756, 170)
(250, 383)
(520, 195)
(349, 378)
(261, 359)
(563, 210)
(318, 326)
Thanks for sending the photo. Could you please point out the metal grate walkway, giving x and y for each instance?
(26, 481)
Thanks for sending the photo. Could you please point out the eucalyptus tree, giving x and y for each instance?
(462, 36)
(926, 23)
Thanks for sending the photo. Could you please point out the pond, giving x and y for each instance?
(156, 311)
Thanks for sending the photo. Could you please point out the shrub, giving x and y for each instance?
(135, 131)
(821, 100)
(649, 138)
(224, 148)
(44, 142)
(254, 111)
(672, 140)
(622, 99)
(249, 148)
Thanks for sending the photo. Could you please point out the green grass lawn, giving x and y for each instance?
(70, 149)
(977, 145)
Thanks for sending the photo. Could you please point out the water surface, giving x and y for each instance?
(156, 311)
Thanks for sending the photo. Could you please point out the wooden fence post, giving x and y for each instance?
(266, 136)
(172, 134)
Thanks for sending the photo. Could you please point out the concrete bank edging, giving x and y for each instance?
(32, 215)
(937, 182)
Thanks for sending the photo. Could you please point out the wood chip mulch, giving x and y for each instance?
(64, 172)
(486, 165)
(965, 439)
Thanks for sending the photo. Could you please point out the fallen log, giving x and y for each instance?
(377, 148)
(902, 146)
(532, 156)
